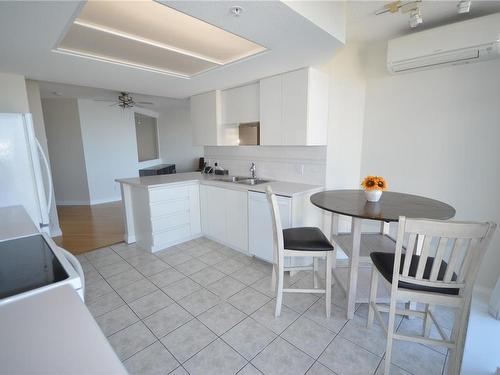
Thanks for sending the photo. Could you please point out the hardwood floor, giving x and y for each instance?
(88, 228)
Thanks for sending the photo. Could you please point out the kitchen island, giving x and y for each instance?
(161, 211)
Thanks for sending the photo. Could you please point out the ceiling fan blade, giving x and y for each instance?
(104, 100)
(146, 103)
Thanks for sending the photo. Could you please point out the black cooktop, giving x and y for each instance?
(27, 263)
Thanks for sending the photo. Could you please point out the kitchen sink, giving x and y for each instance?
(252, 181)
(233, 178)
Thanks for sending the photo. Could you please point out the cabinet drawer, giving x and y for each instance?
(162, 223)
(178, 193)
(171, 236)
(169, 207)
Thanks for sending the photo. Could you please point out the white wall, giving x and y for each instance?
(64, 140)
(435, 133)
(13, 96)
(176, 142)
(303, 164)
(110, 148)
(35, 104)
(346, 118)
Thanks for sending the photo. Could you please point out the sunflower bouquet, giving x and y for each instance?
(374, 183)
(374, 186)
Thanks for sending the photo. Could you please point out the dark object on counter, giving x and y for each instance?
(201, 164)
(157, 170)
(222, 172)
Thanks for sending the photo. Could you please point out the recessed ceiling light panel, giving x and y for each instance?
(151, 36)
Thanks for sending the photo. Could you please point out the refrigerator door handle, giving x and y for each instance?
(49, 176)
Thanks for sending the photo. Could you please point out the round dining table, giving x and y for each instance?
(388, 209)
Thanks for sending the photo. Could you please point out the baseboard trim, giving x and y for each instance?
(72, 203)
(56, 232)
(101, 201)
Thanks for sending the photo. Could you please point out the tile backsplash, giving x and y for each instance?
(304, 164)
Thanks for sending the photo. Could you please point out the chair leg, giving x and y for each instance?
(279, 293)
(315, 272)
(458, 336)
(428, 320)
(334, 261)
(328, 284)
(390, 333)
(273, 279)
(373, 298)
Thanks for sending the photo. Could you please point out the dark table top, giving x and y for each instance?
(390, 206)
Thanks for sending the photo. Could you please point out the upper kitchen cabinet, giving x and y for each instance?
(240, 104)
(206, 112)
(294, 108)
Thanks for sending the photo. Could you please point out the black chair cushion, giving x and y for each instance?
(385, 265)
(306, 239)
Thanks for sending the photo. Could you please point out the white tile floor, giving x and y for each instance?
(202, 308)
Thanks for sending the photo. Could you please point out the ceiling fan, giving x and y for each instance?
(125, 101)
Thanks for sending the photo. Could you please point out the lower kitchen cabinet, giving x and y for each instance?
(162, 216)
(224, 216)
(294, 212)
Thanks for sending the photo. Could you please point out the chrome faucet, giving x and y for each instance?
(252, 170)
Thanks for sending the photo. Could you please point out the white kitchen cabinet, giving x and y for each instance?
(240, 104)
(206, 118)
(237, 219)
(270, 111)
(224, 214)
(162, 216)
(294, 108)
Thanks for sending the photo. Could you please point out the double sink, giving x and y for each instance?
(243, 180)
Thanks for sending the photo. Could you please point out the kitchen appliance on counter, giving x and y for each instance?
(157, 170)
(22, 175)
(33, 264)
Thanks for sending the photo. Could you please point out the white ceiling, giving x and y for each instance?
(30, 30)
(49, 90)
(364, 26)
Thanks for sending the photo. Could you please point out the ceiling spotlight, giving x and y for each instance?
(463, 6)
(236, 11)
(415, 18)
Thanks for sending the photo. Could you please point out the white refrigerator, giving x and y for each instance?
(23, 166)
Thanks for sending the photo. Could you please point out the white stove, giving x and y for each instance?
(34, 263)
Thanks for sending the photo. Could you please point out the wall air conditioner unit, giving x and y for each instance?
(464, 42)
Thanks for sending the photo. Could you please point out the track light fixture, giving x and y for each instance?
(411, 7)
(463, 6)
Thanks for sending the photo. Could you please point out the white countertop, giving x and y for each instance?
(287, 189)
(53, 333)
(15, 222)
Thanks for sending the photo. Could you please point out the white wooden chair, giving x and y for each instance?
(443, 274)
(301, 242)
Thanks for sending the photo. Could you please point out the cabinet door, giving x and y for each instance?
(237, 219)
(194, 209)
(205, 118)
(240, 105)
(204, 208)
(260, 236)
(294, 107)
(216, 213)
(270, 111)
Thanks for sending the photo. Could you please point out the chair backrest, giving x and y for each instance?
(278, 243)
(461, 245)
